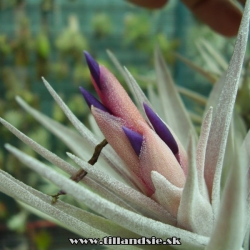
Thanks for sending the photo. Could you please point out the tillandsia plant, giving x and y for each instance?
(156, 178)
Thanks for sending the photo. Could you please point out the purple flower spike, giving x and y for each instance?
(94, 68)
(91, 100)
(161, 129)
(134, 138)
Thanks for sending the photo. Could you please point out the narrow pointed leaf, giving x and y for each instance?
(140, 97)
(223, 113)
(127, 219)
(229, 228)
(63, 164)
(192, 95)
(195, 212)
(177, 117)
(22, 192)
(208, 59)
(82, 146)
(210, 77)
(73, 140)
(201, 152)
(215, 54)
(136, 199)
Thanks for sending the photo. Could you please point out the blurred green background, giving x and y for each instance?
(46, 38)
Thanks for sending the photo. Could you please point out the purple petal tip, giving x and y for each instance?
(94, 68)
(91, 100)
(134, 138)
(161, 129)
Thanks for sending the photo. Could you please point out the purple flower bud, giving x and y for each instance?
(91, 100)
(93, 67)
(134, 138)
(161, 129)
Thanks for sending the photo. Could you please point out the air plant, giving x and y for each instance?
(156, 177)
